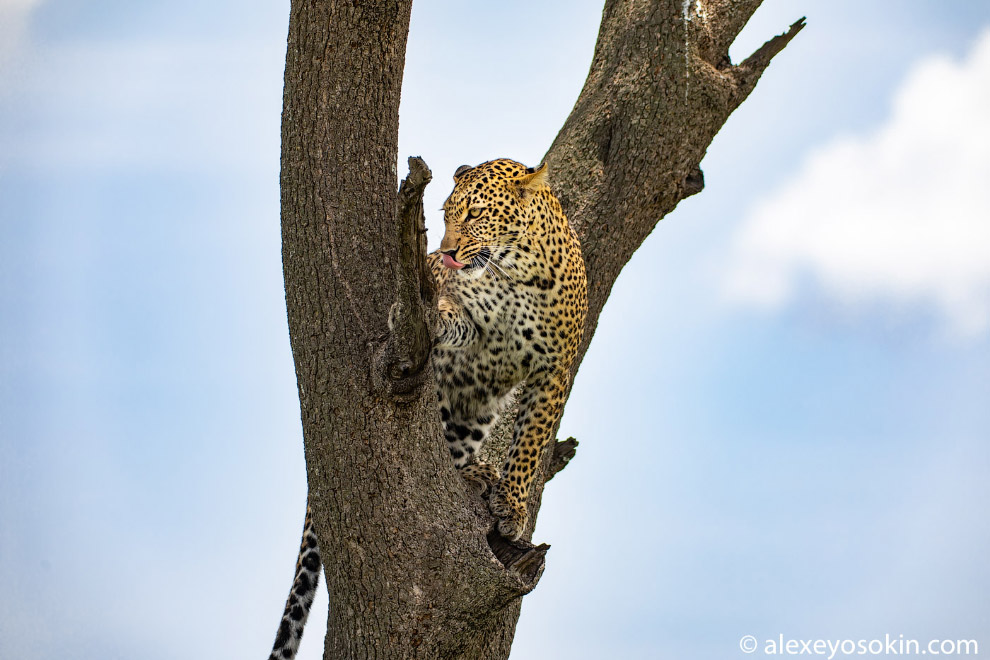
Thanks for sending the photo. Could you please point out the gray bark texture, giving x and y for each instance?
(412, 567)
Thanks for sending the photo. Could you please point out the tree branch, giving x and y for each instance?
(630, 152)
(750, 70)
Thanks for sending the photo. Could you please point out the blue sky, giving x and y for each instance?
(783, 415)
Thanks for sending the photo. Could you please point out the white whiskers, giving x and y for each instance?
(501, 260)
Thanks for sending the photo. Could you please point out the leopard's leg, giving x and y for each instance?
(540, 405)
(465, 436)
(455, 327)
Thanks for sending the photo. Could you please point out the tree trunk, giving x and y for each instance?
(410, 564)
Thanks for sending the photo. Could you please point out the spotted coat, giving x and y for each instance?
(512, 301)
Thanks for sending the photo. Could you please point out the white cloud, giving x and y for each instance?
(900, 216)
(14, 15)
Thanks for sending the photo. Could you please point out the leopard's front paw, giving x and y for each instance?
(480, 475)
(510, 511)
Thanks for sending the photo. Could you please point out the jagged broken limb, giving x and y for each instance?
(520, 557)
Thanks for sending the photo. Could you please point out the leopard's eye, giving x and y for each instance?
(474, 213)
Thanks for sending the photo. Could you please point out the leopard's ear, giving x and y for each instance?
(528, 184)
(461, 170)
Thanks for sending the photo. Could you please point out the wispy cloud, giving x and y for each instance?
(900, 216)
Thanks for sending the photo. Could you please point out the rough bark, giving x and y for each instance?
(410, 564)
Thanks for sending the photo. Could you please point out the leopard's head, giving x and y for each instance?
(487, 212)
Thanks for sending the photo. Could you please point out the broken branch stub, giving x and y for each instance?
(400, 363)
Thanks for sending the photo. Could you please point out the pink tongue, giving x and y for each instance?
(450, 262)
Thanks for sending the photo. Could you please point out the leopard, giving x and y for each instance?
(512, 300)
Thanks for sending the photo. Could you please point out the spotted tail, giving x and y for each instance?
(300, 600)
